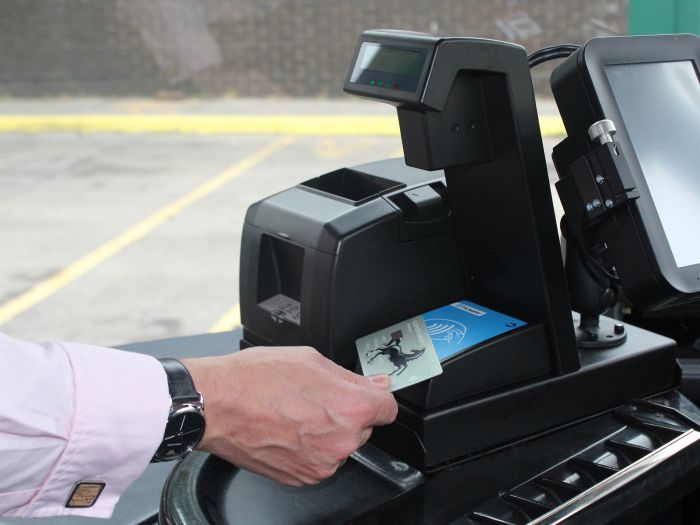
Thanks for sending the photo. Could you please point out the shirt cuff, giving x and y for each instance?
(121, 408)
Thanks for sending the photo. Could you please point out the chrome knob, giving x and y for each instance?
(602, 131)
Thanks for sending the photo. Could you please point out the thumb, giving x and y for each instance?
(375, 388)
(382, 381)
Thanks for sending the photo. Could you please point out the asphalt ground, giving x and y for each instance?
(115, 237)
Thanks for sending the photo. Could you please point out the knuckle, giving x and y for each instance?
(288, 480)
(316, 474)
(325, 473)
(344, 449)
(361, 410)
(312, 480)
(394, 409)
(365, 436)
(344, 452)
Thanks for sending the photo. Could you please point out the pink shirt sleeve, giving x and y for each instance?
(71, 413)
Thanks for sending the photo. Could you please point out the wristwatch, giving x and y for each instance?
(186, 423)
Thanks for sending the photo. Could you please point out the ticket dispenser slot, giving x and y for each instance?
(279, 279)
(352, 185)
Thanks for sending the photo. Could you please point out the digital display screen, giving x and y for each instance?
(388, 67)
(660, 105)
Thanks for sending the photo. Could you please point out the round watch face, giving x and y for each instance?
(182, 433)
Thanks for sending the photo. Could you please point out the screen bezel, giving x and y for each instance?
(398, 40)
(598, 54)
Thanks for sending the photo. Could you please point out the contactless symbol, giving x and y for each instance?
(452, 332)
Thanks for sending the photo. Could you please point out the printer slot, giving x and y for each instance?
(353, 186)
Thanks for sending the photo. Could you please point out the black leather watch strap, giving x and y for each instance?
(179, 380)
(185, 426)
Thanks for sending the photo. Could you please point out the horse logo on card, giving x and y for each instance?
(396, 355)
(452, 332)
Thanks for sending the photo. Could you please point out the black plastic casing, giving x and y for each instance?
(638, 245)
(353, 251)
(387, 37)
(475, 117)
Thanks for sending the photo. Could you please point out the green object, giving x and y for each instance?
(648, 17)
(688, 18)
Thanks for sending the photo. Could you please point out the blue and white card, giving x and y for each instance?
(412, 351)
(461, 325)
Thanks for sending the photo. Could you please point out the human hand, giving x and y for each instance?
(287, 413)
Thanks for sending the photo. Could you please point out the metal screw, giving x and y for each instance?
(599, 179)
(597, 203)
(608, 203)
(589, 206)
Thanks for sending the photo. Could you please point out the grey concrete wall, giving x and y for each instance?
(251, 47)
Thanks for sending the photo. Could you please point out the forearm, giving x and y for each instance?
(75, 413)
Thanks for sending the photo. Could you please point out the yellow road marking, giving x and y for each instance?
(230, 320)
(76, 269)
(334, 148)
(552, 126)
(300, 125)
(206, 124)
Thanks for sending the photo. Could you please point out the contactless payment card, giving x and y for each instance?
(411, 351)
(403, 351)
(461, 325)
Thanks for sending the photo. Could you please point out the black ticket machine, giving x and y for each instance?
(310, 268)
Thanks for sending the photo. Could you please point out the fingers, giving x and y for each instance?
(373, 390)
(295, 475)
(365, 435)
(380, 381)
(378, 404)
(383, 407)
(323, 412)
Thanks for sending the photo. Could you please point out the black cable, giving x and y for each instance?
(591, 260)
(550, 53)
(592, 263)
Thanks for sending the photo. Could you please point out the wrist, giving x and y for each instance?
(186, 424)
(202, 373)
